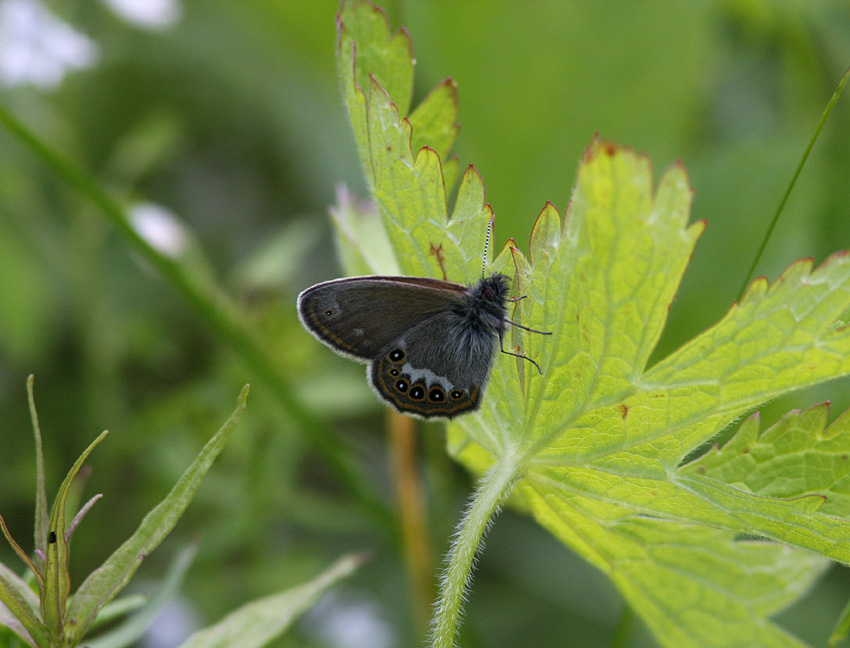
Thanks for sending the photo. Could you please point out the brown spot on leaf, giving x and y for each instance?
(438, 253)
(624, 410)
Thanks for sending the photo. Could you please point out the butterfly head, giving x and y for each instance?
(485, 305)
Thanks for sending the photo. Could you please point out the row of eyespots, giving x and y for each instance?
(417, 392)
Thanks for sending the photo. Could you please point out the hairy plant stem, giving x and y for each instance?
(494, 488)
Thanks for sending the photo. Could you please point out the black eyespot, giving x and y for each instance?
(328, 313)
(418, 392)
(401, 385)
(394, 372)
(437, 395)
(51, 539)
(456, 394)
(396, 355)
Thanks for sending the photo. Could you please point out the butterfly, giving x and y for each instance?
(429, 344)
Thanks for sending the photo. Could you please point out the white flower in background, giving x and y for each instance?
(160, 228)
(38, 48)
(172, 625)
(155, 14)
(348, 624)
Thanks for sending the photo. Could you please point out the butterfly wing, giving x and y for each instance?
(361, 316)
(437, 369)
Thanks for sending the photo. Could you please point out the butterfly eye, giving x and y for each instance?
(417, 393)
(401, 385)
(436, 395)
(396, 355)
(456, 394)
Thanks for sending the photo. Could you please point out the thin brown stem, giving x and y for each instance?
(413, 514)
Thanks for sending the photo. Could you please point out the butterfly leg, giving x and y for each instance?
(525, 328)
(518, 355)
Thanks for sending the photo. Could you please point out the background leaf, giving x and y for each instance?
(259, 622)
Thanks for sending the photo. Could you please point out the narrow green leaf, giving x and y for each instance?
(20, 586)
(131, 630)
(42, 519)
(119, 607)
(104, 583)
(9, 624)
(72, 526)
(769, 231)
(841, 629)
(19, 609)
(257, 623)
(57, 580)
(21, 553)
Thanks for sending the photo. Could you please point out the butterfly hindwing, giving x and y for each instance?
(419, 392)
(438, 368)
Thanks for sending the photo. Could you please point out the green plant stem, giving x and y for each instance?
(787, 194)
(217, 311)
(495, 487)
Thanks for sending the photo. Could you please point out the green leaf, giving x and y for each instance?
(595, 444)
(434, 120)
(104, 583)
(257, 623)
(405, 170)
(603, 438)
(19, 609)
(42, 519)
(22, 554)
(131, 630)
(842, 627)
(57, 579)
(362, 242)
(118, 608)
(367, 49)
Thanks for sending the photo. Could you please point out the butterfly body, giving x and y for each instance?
(429, 343)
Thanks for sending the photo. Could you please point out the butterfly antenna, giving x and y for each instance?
(486, 246)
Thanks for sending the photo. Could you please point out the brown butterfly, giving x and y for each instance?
(429, 344)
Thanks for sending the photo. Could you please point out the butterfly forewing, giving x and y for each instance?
(360, 316)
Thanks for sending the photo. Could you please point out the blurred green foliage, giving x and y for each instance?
(232, 120)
